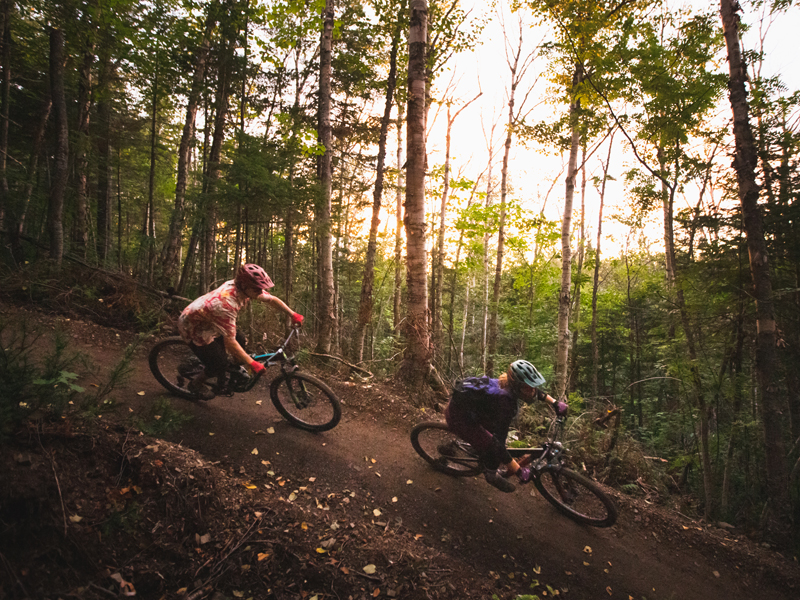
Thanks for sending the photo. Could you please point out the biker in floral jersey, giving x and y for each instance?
(208, 325)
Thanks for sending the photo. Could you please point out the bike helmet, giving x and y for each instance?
(251, 274)
(523, 372)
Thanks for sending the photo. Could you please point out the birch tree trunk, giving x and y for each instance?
(417, 357)
(776, 522)
(326, 309)
(562, 348)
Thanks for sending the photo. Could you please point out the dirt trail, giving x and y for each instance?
(497, 533)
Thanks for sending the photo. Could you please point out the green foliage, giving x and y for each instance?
(160, 418)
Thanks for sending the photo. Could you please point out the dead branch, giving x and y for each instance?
(343, 361)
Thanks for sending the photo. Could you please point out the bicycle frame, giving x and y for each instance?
(550, 453)
(279, 357)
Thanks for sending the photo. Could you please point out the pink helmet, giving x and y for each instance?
(251, 274)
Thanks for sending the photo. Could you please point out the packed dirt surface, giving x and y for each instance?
(233, 502)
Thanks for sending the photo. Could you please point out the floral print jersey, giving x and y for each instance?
(212, 315)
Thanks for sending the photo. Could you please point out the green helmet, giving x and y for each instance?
(521, 371)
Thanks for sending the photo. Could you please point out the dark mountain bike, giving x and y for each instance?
(573, 494)
(303, 400)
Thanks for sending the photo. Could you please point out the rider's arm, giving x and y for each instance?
(275, 301)
(236, 351)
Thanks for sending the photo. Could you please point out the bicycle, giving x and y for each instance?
(573, 494)
(302, 399)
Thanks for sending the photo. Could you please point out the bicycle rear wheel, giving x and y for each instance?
(305, 401)
(576, 496)
(443, 449)
(174, 365)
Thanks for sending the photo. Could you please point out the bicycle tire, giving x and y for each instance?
(460, 461)
(576, 496)
(165, 358)
(305, 401)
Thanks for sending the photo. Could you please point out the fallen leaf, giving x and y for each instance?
(376, 593)
(369, 569)
(409, 482)
(394, 499)
(378, 474)
(292, 497)
(210, 433)
(262, 556)
(321, 551)
(345, 570)
(376, 512)
(254, 451)
(373, 461)
(588, 550)
(419, 535)
(182, 591)
(250, 486)
(238, 594)
(304, 526)
(585, 564)
(608, 590)
(140, 393)
(271, 430)
(312, 479)
(716, 573)
(258, 402)
(537, 569)
(76, 519)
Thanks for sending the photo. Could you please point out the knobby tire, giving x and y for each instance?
(576, 496)
(426, 438)
(305, 401)
(164, 359)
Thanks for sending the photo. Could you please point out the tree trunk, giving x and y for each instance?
(398, 232)
(562, 347)
(365, 305)
(104, 173)
(326, 310)
(172, 245)
(417, 357)
(55, 223)
(596, 281)
(150, 235)
(572, 374)
(777, 522)
(80, 228)
(5, 89)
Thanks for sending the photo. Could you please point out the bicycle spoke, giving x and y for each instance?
(577, 496)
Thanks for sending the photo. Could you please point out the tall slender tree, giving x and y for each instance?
(777, 516)
(326, 310)
(417, 357)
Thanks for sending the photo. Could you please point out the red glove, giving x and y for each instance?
(297, 319)
(257, 367)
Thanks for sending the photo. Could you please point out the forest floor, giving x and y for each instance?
(165, 498)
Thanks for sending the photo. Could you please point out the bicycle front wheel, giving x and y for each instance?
(305, 401)
(174, 365)
(443, 449)
(576, 496)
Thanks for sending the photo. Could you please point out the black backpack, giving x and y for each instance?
(470, 392)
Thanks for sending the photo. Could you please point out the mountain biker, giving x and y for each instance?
(208, 325)
(483, 418)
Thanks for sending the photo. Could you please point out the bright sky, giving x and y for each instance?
(531, 171)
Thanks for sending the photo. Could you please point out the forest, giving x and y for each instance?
(169, 141)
